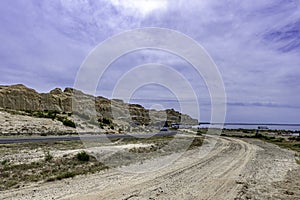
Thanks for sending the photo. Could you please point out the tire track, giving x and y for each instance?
(206, 168)
(232, 169)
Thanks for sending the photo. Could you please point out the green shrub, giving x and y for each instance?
(11, 183)
(40, 114)
(297, 145)
(65, 175)
(278, 140)
(4, 162)
(28, 111)
(83, 156)
(51, 114)
(199, 132)
(106, 121)
(69, 123)
(60, 118)
(197, 142)
(294, 138)
(247, 131)
(48, 156)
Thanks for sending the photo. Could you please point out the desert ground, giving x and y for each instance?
(222, 168)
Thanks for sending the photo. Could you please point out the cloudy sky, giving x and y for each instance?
(255, 45)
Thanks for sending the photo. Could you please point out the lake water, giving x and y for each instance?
(272, 127)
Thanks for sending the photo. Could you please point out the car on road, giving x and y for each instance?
(164, 129)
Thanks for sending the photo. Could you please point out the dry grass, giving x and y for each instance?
(297, 158)
(51, 168)
(17, 175)
(57, 145)
(292, 143)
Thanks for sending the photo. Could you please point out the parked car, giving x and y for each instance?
(164, 129)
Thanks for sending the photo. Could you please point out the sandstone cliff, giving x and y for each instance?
(86, 107)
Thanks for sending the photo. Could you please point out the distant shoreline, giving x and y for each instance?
(258, 124)
(281, 127)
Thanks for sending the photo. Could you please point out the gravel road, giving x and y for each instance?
(223, 168)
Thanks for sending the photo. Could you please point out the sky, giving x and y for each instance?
(255, 45)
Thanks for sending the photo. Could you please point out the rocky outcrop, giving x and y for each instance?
(19, 97)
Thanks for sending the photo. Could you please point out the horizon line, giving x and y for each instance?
(245, 123)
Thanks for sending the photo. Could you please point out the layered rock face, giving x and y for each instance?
(19, 97)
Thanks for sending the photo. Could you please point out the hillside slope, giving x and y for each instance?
(85, 110)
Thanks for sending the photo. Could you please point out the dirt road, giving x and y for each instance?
(230, 169)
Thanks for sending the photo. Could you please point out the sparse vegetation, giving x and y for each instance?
(52, 168)
(83, 156)
(104, 121)
(55, 145)
(63, 176)
(201, 131)
(15, 175)
(4, 162)
(197, 142)
(46, 114)
(69, 123)
(294, 138)
(149, 149)
(54, 114)
(48, 156)
(297, 157)
(292, 143)
(107, 122)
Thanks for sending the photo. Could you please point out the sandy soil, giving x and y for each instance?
(230, 169)
(14, 124)
(17, 124)
(34, 155)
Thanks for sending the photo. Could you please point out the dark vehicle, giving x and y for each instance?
(164, 129)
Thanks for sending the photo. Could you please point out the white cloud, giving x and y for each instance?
(143, 7)
(47, 41)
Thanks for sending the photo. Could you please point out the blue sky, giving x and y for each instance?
(255, 45)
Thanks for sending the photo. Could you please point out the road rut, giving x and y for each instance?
(223, 168)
